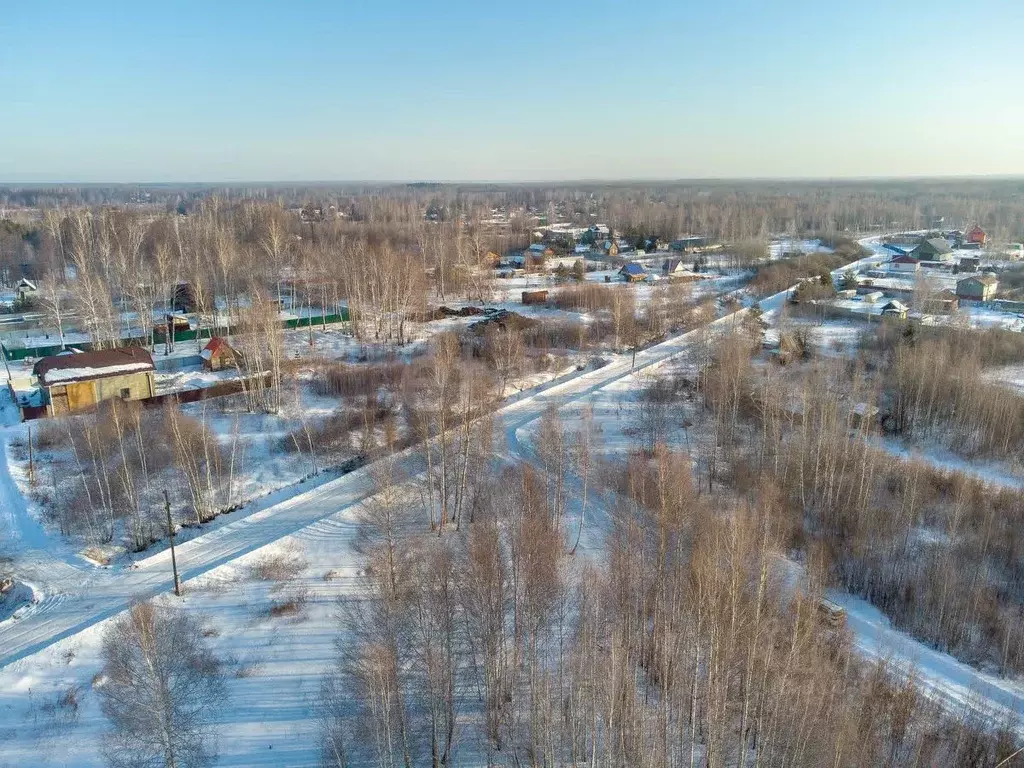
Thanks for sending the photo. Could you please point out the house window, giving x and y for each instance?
(126, 393)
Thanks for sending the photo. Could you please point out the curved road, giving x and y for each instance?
(83, 596)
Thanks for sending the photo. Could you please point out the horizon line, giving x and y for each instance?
(509, 182)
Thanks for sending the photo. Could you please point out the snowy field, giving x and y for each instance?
(276, 657)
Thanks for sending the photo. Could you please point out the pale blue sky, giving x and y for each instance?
(223, 90)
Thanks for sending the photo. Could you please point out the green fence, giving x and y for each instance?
(20, 353)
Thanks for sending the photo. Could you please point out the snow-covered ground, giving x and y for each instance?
(1008, 375)
(788, 245)
(958, 686)
(275, 663)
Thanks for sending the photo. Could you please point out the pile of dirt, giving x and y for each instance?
(502, 319)
(440, 313)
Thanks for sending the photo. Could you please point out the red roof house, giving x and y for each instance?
(976, 235)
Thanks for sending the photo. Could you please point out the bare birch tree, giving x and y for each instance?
(161, 690)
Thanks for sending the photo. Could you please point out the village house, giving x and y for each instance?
(977, 288)
(673, 267)
(633, 272)
(26, 290)
(933, 249)
(905, 263)
(218, 355)
(895, 309)
(976, 235)
(74, 380)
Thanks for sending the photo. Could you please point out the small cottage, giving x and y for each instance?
(976, 235)
(633, 273)
(218, 354)
(688, 243)
(905, 263)
(74, 380)
(673, 267)
(895, 309)
(26, 290)
(977, 288)
(968, 264)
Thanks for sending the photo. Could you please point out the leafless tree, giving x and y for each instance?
(161, 688)
(56, 304)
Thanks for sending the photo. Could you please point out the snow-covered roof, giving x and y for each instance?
(216, 344)
(60, 369)
(983, 279)
(938, 245)
(81, 374)
(633, 269)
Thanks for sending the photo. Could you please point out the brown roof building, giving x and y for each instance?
(74, 380)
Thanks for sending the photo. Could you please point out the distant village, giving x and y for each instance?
(926, 274)
(931, 277)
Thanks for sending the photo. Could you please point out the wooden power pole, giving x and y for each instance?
(31, 463)
(170, 535)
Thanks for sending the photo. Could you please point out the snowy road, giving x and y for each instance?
(78, 597)
(82, 597)
(958, 686)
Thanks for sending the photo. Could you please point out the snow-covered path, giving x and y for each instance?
(86, 597)
(958, 686)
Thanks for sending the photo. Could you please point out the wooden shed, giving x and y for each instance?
(535, 297)
(218, 354)
(73, 380)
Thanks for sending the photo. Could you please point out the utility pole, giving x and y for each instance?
(31, 463)
(170, 535)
